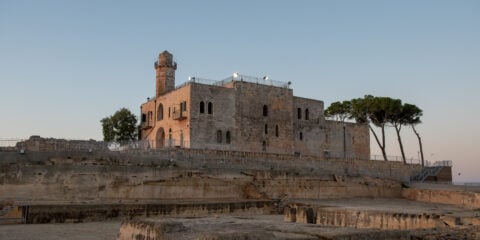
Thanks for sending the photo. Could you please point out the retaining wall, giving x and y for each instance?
(459, 198)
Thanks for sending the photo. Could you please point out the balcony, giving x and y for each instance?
(179, 115)
(146, 125)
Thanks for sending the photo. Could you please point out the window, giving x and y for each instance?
(210, 108)
(183, 106)
(265, 110)
(307, 114)
(219, 136)
(301, 136)
(169, 110)
(144, 117)
(299, 113)
(150, 117)
(353, 139)
(202, 107)
(326, 138)
(160, 112)
(227, 137)
(276, 130)
(264, 146)
(266, 129)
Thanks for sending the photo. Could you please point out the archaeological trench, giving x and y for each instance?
(208, 194)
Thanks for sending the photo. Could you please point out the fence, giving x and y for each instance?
(410, 160)
(9, 142)
(235, 77)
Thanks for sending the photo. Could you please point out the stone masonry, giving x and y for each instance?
(242, 113)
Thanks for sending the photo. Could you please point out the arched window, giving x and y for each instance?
(202, 107)
(160, 112)
(219, 136)
(276, 130)
(228, 137)
(144, 117)
(301, 136)
(299, 113)
(266, 129)
(265, 110)
(210, 108)
(307, 113)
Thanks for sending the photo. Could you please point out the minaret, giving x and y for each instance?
(165, 69)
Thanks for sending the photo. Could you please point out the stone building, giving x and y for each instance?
(242, 113)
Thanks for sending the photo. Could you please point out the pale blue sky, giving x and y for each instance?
(64, 65)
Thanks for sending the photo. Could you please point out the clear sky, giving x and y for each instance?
(64, 65)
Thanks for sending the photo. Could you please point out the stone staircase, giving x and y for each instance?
(425, 173)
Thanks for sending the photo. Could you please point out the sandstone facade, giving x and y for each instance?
(242, 113)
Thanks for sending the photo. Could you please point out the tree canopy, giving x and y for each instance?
(119, 127)
(380, 112)
(339, 110)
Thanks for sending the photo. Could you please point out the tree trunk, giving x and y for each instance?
(382, 147)
(344, 143)
(420, 144)
(384, 152)
(397, 129)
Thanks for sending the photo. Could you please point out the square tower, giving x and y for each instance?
(165, 73)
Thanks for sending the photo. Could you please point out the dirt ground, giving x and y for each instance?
(61, 231)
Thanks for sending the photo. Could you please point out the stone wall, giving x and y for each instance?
(205, 126)
(341, 217)
(110, 177)
(455, 197)
(156, 129)
(39, 144)
(57, 213)
(256, 132)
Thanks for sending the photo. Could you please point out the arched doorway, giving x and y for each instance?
(160, 138)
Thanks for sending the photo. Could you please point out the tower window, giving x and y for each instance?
(144, 117)
(160, 112)
(219, 136)
(210, 108)
(169, 110)
(299, 113)
(307, 114)
(266, 128)
(276, 130)
(265, 110)
(264, 146)
(301, 136)
(202, 107)
(228, 137)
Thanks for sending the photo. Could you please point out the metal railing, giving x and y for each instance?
(264, 81)
(237, 77)
(410, 160)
